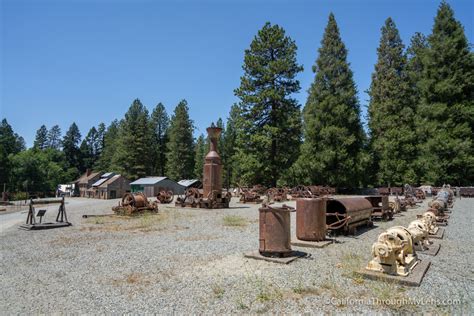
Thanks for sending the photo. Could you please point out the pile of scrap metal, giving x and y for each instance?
(381, 207)
(259, 189)
(194, 197)
(311, 191)
(410, 196)
(165, 197)
(134, 203)
(277, 194)
(249, 196)
(466, 192)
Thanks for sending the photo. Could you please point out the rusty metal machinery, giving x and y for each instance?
(419, 232)
(133, 203)
(299, 192)
(383, 191)
(466, 192)
(165, 197)
(311, 219)
(277, 194)
(420, 194)
(249, 196)
(259, 189)
(393, 253)
(347, 214)
(192, 198)
(275, 231)
(381, 207)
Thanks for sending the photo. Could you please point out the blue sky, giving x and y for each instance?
(86, 61)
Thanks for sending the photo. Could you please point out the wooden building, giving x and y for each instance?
(86, 181)
(113, 188)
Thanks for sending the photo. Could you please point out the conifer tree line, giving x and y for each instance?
(420, 122)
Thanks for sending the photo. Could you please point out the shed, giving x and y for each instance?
(114, 187)
(151, 186)
(190, 183)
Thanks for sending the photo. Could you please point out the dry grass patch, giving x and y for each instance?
(144, 222)
(234, 221)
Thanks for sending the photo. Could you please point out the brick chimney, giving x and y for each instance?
(88, 172)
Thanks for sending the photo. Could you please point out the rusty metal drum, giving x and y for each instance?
(348, 213)
(275, 230)
(311, 219)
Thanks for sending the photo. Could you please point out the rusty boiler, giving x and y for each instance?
(348, 213)
(311, 219)
(275, 231)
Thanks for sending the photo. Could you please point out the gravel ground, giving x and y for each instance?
(190, 261)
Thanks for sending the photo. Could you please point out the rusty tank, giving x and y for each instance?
(311, 219)
(347, 214)
(275, 231)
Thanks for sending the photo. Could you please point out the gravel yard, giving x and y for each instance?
(191, 261)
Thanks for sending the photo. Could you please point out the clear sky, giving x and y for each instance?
(86, 61)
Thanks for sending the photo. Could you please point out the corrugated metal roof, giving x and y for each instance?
(148, 180)
(110, 180)
(99, 182)
(187, 183)
(108, 175)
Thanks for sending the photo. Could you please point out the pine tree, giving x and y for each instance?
(159, 127)
(446, 124)
(228, 147)
(200, 153)
(180, 155)
(415, 51)
(270, 128)
(391, 112)
(71, 148)
(104, 163)
(54, 137)
(101, 129)
(132, 157)
(89, 149)
(332, 151)
(41, 138)
(10, 144)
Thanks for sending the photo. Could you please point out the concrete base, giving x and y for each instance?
(254, 202)
(439, 234)
(432, 250)
(413, 279)
(284, 260)
(310, 244)
(45, 226)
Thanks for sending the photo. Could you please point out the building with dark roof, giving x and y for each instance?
(151, 186)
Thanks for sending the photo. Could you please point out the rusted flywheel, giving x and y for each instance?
(165, 197)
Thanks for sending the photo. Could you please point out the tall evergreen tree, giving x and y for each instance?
(10, 144)
(332, 151)
(159, 127)
(180, 155)
(41, 138)
(271, 118)
(90, 149)
(104, 163)
(391, 112)
(101, 129)
(54, 137)
(228, 147)
(446, 125)
(418, 45)
(71, 149)
(200, 153)
(132, 158)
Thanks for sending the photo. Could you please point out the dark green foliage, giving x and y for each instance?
(41, 138)
(104, 163)
(446, 110)
(54, 137)
(180, 155)
(10, 144)
(90, 149)
(332, 151)
(270, 124)
(392, 112)
(159, 129)
(132, 149)
(71, 148)
(228, 147)
(39, 171)
(200, 151)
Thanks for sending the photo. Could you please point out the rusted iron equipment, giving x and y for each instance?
(466, 192)
(275, 231)
(420, 194)
(300, 191)
(277, 194)
(165, 197)
(259, 189)
(311, 219)
(396, 190)
(394, 252)
(61, 217)
(192, 198)
(383, 191)
(347, 214)
(249, 196)
(134, 203)
(381, 207)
